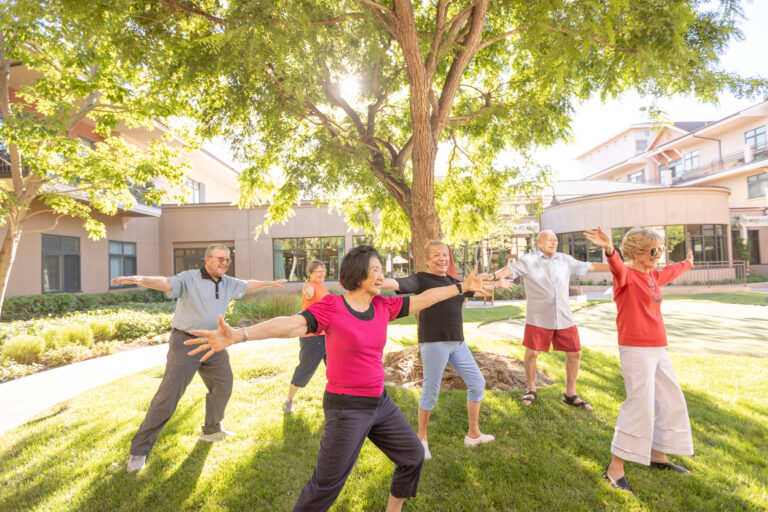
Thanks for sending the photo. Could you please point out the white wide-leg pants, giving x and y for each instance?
(654, 414)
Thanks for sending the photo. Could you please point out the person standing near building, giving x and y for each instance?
(312, 349)
(202, 296)
(549, 320)
(653, 419)
(441, 341)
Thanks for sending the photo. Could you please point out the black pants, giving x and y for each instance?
(312, 352)
(343, 438)
(180, 368)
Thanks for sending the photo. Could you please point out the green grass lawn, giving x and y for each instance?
(546, 457)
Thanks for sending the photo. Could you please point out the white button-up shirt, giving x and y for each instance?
(546, 287)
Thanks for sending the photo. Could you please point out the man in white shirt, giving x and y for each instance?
(549, 320)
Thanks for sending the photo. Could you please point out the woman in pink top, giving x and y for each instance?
(355, 404)
(653, 420)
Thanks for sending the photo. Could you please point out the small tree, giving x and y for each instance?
(78, 77)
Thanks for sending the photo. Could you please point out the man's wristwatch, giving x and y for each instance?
(245, 334)
(458, 285)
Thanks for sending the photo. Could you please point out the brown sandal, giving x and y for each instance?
(529, 396)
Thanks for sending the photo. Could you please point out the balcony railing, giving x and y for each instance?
(730, 161)
(715, 271)
(727, 162)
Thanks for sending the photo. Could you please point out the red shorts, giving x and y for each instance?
(539, 338)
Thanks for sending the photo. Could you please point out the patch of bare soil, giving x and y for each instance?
(404, 369)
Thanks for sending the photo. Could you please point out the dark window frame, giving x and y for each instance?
(63, 255)
(331, 256)
(123, 258)
(196, 257)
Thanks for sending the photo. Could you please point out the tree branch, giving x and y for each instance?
(500, 37)
(384, 14)
(191, 8)
(432, 58)
(594, 37)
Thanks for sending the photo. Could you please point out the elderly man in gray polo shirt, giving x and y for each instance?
(202, 295)
(549, 320)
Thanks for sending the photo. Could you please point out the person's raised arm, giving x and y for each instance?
(473, 283)
(600, 239)
(390, 284)
(254, 285)
(599, 267)
(225, 336)
(155, 282)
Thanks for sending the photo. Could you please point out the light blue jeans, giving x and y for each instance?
(434, 356)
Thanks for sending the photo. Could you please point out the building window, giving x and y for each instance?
(122, 261)
(61, 263)
(192, 258)
(663, 174)
(757, 185)
(195, 192)
(708, 241)
(637, 177)
(291, 255)
(755, 137)
(691, 161)
(576, 245)
(676, 166)
(640, 145)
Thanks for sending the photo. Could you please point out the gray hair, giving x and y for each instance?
(213, 247)
(313, 264)
(637, 240)
(434, 243)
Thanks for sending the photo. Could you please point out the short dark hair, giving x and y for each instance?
(354, 266)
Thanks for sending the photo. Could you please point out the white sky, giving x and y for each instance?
(594, 122)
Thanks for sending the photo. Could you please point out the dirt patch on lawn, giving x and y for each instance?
(404, 369)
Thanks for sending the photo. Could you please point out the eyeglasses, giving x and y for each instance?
(222, 260)
(656, 251)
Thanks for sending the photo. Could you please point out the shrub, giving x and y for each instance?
(52, 337)
(65, 355)
(31, 306)
(77, 334)
(260, 308)
(103, 330)
(24, 348)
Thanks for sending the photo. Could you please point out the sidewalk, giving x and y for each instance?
(23, 399)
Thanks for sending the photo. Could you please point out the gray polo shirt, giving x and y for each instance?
(201, 299)
(546, 287)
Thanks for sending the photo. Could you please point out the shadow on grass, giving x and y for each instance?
(546, 457)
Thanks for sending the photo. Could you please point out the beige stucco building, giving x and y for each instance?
(702, 185)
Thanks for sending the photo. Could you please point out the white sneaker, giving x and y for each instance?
(484, 438)
(288, 406)
(427, 455)
(216, 436)
(135, 463)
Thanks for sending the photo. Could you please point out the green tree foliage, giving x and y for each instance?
(473, 77)
(71, 78)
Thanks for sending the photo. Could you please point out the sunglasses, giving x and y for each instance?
(656, 251)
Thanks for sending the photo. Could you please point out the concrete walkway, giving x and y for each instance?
(23, 399)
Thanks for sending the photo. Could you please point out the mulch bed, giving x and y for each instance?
(404, 369)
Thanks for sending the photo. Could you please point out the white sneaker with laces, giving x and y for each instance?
(427, 455)
(484, 438)
(216, 436)
(135, 463)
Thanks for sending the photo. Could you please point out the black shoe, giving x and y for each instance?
(669, 465)
(621, 483)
